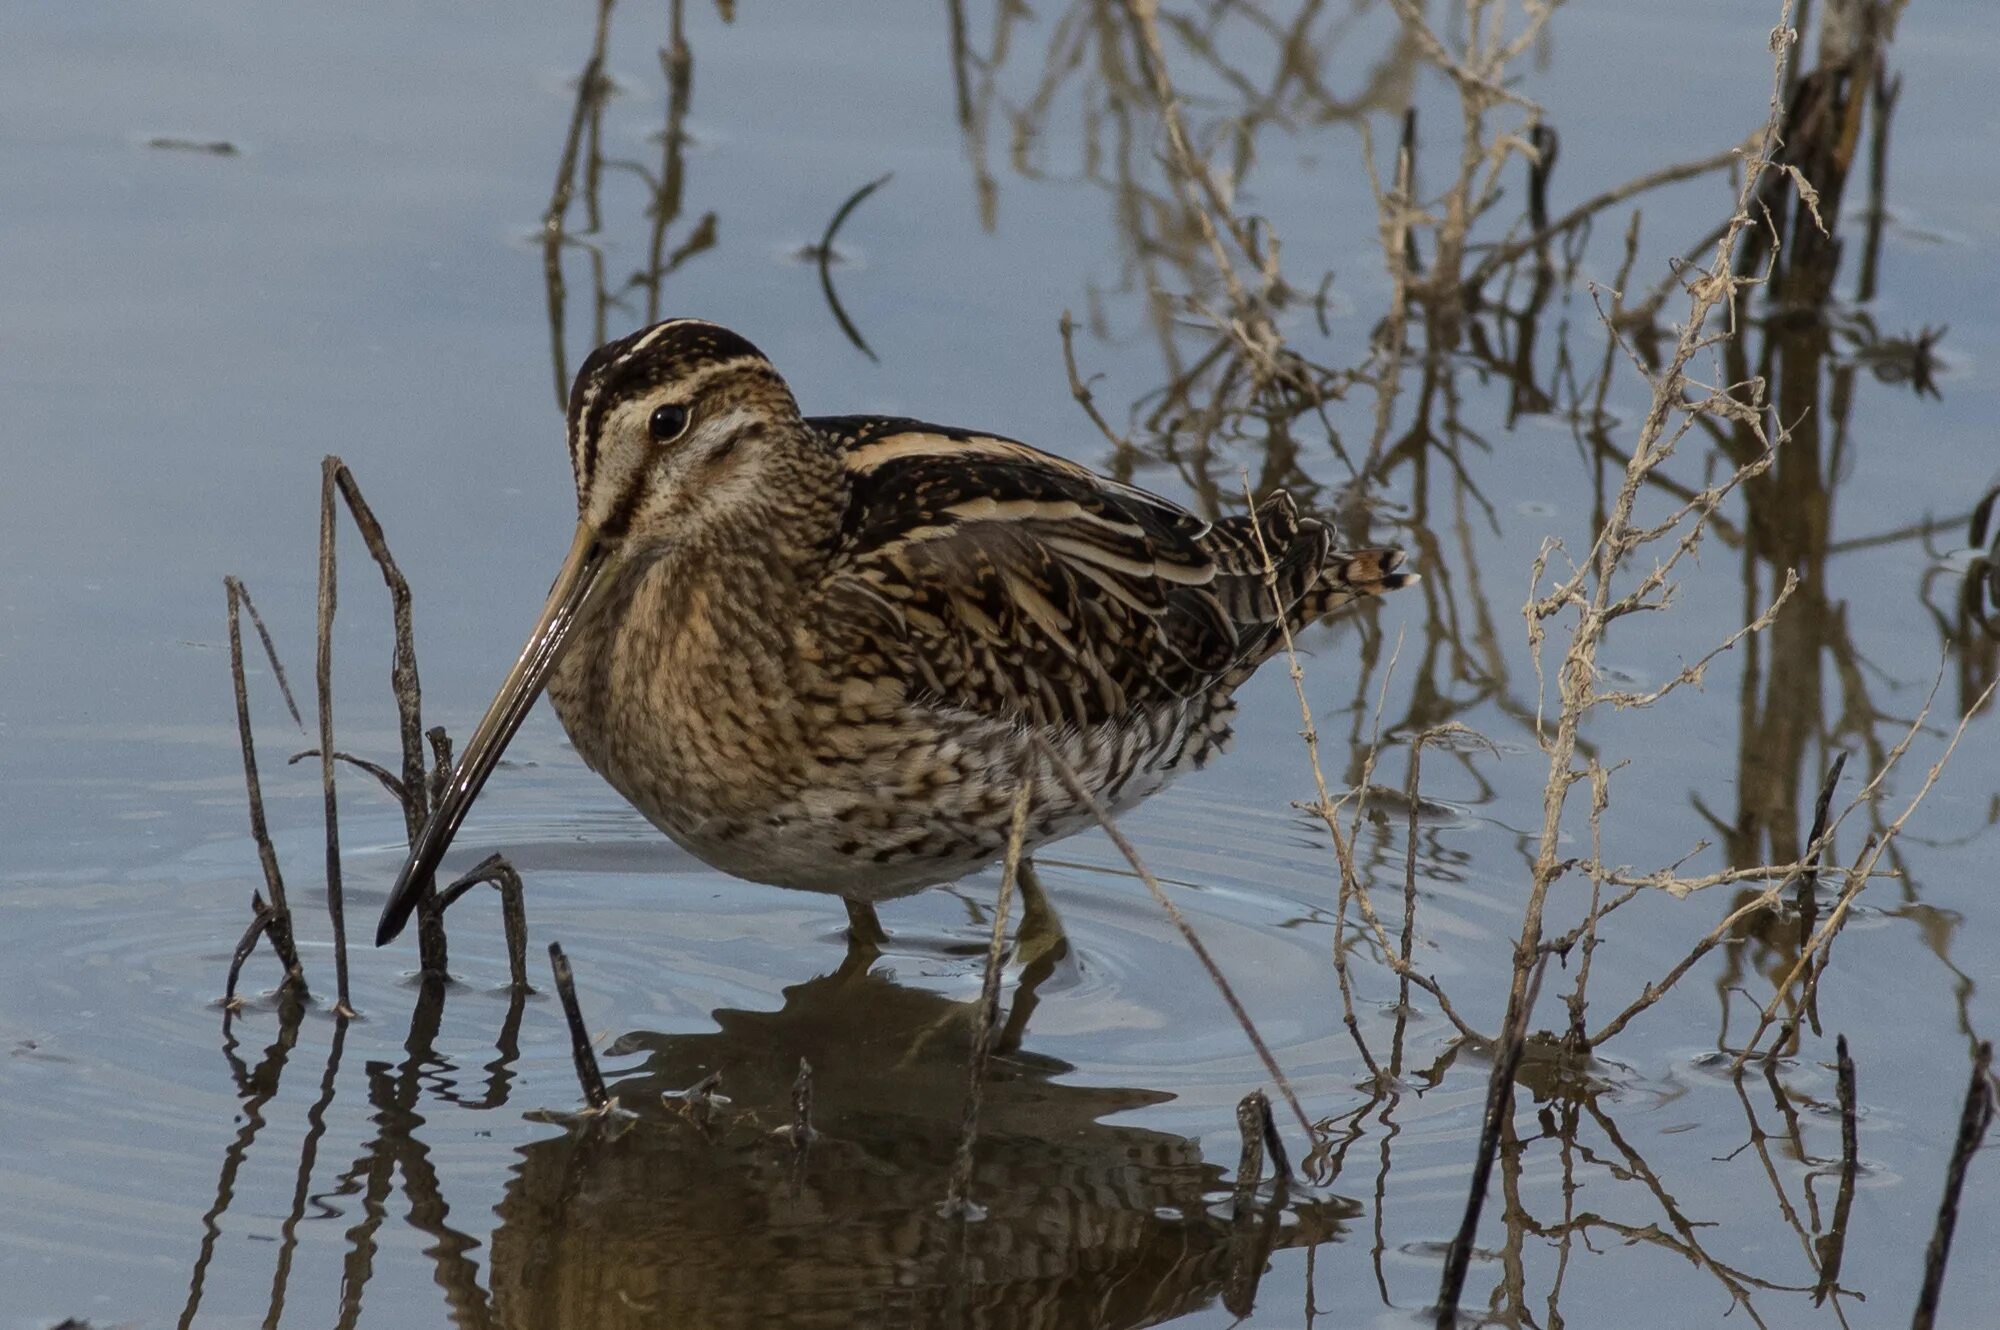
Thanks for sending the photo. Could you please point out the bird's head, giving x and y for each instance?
(670, 427)
(676, 429)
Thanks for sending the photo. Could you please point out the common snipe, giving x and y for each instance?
(824, 651)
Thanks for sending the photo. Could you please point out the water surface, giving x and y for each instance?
(187, 331)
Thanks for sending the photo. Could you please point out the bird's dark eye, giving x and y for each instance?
(668, 422)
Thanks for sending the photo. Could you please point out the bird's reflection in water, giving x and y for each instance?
(1079, 1221)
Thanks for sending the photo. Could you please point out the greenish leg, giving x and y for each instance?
(1040, 946)
(865, 934)
(1041, 935)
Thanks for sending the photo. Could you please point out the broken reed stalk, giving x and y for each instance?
(697, 1103)
(1499, 1105)
(328, 604)
(403, 680)
(824, 254)
(587, 1073)
(272, 920)
(1831, 1245)
(1973, 1121)
(1808, 897)
(959, 1191)
(408, 690)
(495, 869)
(260, 920)
(1252, 1234)
(1081, 792)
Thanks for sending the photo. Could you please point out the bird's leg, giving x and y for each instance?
(1041, 946)
(1042, 933)
(865, 933)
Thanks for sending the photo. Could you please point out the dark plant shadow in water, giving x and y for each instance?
(662, 1217)
(724, 1224)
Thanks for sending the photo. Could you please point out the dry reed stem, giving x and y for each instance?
(1833, 1244)
(1973, 1121)
(588, 1075)
(1808, 893)
(403, 680)
(327, 604)
(1499, 1105)
(1081, 792)
(273, 920)
(408, 691)
(501, 875)
(1578, 1000)
(959, 1191)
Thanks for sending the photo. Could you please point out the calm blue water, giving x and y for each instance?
(184, 333)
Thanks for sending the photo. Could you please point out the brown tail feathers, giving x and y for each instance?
(1348, 576)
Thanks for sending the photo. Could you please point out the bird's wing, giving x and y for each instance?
(1007, 581)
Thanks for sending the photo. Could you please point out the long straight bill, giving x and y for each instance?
(516, 698)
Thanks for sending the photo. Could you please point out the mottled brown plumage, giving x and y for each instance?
(823, 652)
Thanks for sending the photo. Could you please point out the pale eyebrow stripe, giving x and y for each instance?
(654, 334)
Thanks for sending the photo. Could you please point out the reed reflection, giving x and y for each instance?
(716, 1220)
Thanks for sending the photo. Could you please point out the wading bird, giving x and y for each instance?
(825, 652)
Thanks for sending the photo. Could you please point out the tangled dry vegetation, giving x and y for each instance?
(1213, 274)
(1258, 383)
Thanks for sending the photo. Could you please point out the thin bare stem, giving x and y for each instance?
(1083, 795)
(1973, 1121)
(958, 1195)
(276, 924)
(581, 1052)
(495, 869)
(329, 592)
(1499, 1105)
